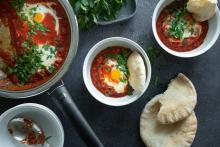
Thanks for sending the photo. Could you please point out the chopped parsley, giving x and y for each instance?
(23, 16)
(152, 54)
(108, 69)
(123, 80)
(30, 62)
(46, 47)
(40, 27)
(179, 24)
(27, 64)
(49, 57)
(52, 69)
(32, 11)
(17, 4)
(121, 61)
(130, 91)
(53, 50)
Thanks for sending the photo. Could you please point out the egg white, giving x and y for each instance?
(47, 62)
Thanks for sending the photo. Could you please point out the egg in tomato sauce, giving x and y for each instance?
(42, 13)
(114, 77)
(34, 44)
(109, 72)
(177, 28)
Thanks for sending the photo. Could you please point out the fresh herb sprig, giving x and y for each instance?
(90, 11)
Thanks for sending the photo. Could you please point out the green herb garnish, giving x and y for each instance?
(23, 16)
(32, 11)
(52, 69)
(121, 61)
(108, 69)
(90, 11)
(152, 54)
(49, 57)
(130, 91)
(30, 62)
(27, 64)
(179, 23)
(17, 4)
(53, 50)
(46, 47)
(123, 80)
(40, 27)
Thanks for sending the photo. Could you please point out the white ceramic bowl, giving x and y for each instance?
(212, 35)
(109, 42)
(43, 116)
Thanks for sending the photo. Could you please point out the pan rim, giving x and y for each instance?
(58, 76)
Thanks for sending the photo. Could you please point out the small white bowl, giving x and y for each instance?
(109, 42)
(211, 37)
(40, 114)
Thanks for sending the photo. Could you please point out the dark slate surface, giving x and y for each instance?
(119, 126)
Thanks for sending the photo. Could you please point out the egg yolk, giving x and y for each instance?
(38, 17)
(115, 75)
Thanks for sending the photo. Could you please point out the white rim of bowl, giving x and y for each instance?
(86, 79)
(182, 54)
(37, 106)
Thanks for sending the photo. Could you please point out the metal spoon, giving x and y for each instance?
(21, 128)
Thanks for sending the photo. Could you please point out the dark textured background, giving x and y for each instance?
(119, 126)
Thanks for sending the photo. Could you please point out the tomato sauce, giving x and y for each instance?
(99, 71)
(19, 33)
(180, 45)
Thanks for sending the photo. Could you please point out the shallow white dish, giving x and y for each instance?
(211, 37)
(40, 114)
(109, 42)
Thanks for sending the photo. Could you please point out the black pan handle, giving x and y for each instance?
(66, 103)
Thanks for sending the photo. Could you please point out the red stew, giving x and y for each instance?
(101, 70)
(191, 33)
(26, 35)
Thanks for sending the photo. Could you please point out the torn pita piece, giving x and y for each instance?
(178, 101)
(155, 134)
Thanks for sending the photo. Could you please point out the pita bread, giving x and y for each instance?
(154, 134)
(137, 71)
(178, 101)
(202, 9)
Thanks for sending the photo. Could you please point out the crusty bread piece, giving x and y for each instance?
(137, 71)
(202, 9)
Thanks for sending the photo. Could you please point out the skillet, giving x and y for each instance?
(56, 88)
